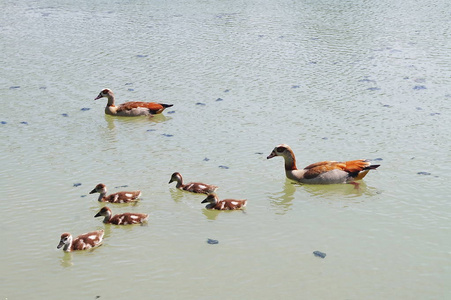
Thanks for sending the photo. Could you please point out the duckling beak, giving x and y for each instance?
(170, 181)
(61, 244)
(97, 215)
(205, 200)
(93, 191)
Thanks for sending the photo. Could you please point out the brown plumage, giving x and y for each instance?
(131, 109)
(119, 197)
(325, 172)
(194, 187)
(226, 204)
(81, 242)
(121, 219)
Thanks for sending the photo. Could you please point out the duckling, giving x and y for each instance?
(194, 187)
(325, 172)
(119, 197)
(226, 204)
(121, 219)
(81, 242)
(131, 109)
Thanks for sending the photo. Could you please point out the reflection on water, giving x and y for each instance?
(350, 78)
(339, 191)
(212, 214)
(282, 201)
(112, 120)
(66, 260)
(176, 194)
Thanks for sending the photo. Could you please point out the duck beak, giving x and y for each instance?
(97, 215)
(99, 96)
(205, 200)
(93, 191)
(170, 181)
(61, 244)
(271, 155)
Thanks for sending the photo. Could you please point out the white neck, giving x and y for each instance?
(68, 245)
(101, 195)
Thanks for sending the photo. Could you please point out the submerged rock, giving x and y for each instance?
(319, 254)
(423, 173)
(212, 242)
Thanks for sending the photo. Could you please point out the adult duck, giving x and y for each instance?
(325, 172)
(226, 204)
(130, 109)
(119, 197)
(194, 187)
(82, 242)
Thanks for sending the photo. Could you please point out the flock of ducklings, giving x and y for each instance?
(325, 172)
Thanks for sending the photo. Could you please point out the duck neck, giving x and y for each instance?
(110, 99)
(101, 197)
(179, 181)
(67, 246)
(290, 162)
(107, 218)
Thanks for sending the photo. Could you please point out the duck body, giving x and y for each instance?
(121, 219)
(82, 242)
(193, 187)
(226, 204)
(119, 197)
(130, 109)
(325, 172)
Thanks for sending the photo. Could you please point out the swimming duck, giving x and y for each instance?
(81, 242)
(226, 204)
(194, 187)
(121, 219)
(325, 172)
(119, 197)
(131, 109)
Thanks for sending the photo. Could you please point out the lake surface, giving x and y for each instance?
(335, 80)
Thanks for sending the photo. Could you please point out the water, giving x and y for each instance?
(333, 79)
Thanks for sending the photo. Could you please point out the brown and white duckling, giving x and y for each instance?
(119, 197)
(194, 187)
(325, 172)
(121, 219)
(131, 109)
(226, 204)
(81, 242)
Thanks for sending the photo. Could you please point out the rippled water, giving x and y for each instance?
(333, 79)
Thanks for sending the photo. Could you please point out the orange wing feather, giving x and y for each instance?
(356, 165)
(352, 166)
(152, 106)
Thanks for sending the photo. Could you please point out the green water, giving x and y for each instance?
(336, 80)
